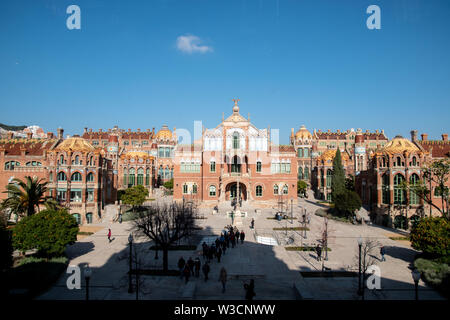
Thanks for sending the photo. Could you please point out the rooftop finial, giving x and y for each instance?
(236, 107)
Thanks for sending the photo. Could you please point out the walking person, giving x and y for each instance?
(120, 218)
(186, 273)
(218, 254)
(197, 266)
(227, 240)
(205, 249)
(223, 278)
(224, 248)
(109, 235)
(233, 240)
(382, 252)
(252, 224)
(250, 290)
(319, 253)
(205, 270)
(191, 265)
(181, 264)
(238, 234)
(242, 237)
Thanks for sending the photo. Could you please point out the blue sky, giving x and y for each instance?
(290, 62)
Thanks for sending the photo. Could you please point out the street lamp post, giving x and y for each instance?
(416, 278)
(130, 242)
(359, 274)
(87, 277)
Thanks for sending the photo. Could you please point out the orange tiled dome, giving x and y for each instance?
(400, 145)
(76, 144)
(331, 153)
(164, 133)
(303, 133)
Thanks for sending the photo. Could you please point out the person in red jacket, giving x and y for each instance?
(109, 235)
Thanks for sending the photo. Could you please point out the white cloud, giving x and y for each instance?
(192, 44)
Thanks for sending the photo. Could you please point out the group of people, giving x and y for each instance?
(191, 268)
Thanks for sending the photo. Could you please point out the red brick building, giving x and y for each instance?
(380, 186)
(235, 160)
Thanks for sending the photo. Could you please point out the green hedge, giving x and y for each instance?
(36, 275)
(432, 236)
(48, 231)
(323, 213)
(434, 273)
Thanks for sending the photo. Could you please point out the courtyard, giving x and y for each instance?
(276, 271)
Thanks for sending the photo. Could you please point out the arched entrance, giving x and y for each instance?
(231, 191)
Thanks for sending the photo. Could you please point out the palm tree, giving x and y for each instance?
(25, 196)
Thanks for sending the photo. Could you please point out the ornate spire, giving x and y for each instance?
(236, 107)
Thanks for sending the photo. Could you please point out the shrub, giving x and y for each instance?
(49, 231)
(432, 236)
(301, 187)
(168, 184)
(35, 274)
(347, 202)
(414, 220)
(135, 196)
(435, 273)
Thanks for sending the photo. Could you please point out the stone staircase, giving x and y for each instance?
(110, 213)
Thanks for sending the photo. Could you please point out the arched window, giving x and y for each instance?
(329, 178)
(132, 177)
(399, 192)
(77, 160)
(50, 176)
(76, 176)
(413, 182)
(61, 159)
(185, 188)
(194, 189)
(212, 191)
(77, 217)
(275, 189)
(258, 166)
(125, 177)
(259, 191)
(140, 176)
(147, 176)
(91, 161)
(90, 177)
(385, 188)
(10, 165)
(384, 162)
(300, 152)
(285, 189)
(62, 176)
(399, 162)
(414, 161)
(236, 140)
(306, 153)
(306, 173)
(300, 173)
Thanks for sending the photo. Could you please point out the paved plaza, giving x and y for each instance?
(276, 271)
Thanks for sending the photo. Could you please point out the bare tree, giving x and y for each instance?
(165, 224)
(325, 240)
(368, 250)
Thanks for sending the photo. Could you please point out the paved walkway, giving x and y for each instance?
(274, 269)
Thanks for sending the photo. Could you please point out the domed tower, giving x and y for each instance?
(360, 156)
